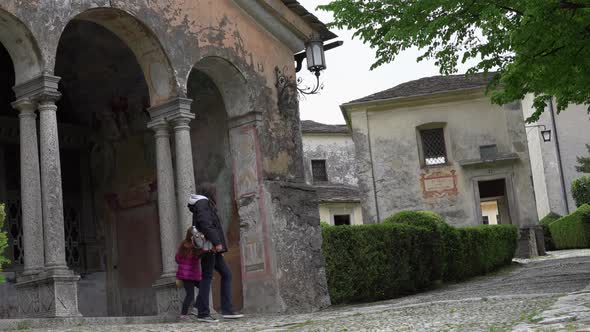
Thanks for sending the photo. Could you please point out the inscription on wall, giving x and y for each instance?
(439, 184)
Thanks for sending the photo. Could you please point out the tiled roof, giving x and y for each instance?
(337, 193)
(311, 19)
(312, 127)
(431, 85)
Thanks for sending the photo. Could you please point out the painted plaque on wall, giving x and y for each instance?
(439, 184)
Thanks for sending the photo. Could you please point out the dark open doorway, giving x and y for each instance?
(493, 202)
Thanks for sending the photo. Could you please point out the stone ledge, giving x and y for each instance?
(38, 323)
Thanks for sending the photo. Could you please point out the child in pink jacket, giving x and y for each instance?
(189, 271)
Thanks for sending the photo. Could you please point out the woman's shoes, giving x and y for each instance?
(232, 315)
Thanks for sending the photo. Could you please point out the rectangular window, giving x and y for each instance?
(433, 146)
(486, 220)
(318, 170)
(341, 219)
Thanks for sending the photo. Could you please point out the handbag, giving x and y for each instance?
(200, 242)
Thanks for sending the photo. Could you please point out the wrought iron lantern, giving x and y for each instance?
(316, 60)
(545, 133)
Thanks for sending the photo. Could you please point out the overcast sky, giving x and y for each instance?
(348, 75)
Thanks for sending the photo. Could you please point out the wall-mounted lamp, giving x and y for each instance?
(316, 62)
(545, 133)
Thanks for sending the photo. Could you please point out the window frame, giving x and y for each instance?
(430, 126)
(313, 175)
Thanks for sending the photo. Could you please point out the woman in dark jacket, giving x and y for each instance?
(206, 220)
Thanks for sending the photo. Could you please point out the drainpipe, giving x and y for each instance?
(558, 150)
(372, 168)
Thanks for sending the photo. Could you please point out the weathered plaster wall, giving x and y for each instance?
(337, 150)
(572, 129)
(389, 140)
(299, 244)
(177, 35)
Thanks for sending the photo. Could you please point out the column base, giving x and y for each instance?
(168, 297)
(48, 294)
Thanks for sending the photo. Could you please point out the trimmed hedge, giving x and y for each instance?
(549, 218)
(408, 252)
(3, 241)
(581, 190)
(572, 231)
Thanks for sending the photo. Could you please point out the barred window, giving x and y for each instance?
(318, 170)
(433, 146)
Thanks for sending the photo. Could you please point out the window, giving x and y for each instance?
(341, 219)
(488, 152)
(486, 220)
(433, 146)
(318, 170)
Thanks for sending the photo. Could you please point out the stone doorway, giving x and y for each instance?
(493, 202)
(212, 163)
(104, 101)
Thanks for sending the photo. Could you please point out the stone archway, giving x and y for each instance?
(112, 69)
(148, 51)
(20, 61)
(23, 49)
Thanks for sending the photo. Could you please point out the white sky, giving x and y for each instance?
(348, 75)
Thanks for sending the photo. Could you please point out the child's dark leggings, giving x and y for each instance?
(189, 288)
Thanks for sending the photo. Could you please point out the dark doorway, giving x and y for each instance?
(342, 219)
(493, 202)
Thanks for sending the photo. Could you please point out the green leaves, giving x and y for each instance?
(537, 47)
(3, 241)
(584, 162)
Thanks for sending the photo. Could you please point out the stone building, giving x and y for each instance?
(554, 161)
(438, 144)
(111, 111)
(329, 162)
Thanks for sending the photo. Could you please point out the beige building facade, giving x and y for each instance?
(439, 144)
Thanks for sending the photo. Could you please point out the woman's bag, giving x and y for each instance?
(200, 242)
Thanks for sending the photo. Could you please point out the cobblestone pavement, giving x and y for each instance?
(519, 294)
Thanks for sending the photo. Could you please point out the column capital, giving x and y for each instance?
(160, 127)
(25, 106)
(43, 88)
(173, 110)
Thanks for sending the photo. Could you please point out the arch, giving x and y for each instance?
(230, 81)
(22, 47)
(149, 53)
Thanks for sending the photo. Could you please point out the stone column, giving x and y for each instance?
(177, 112)
(54, 292)
(32, 217)
(53, 218)
(185, 174)
(166, 198)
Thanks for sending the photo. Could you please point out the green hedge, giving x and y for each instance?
(572, 231)
(581, 190)
(3, 241)
(409, 252)
(549, 218)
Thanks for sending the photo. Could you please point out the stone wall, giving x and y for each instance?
(338, 151)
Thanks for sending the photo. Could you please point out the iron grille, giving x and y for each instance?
(72, 235)
(318, 170)
(15, 231)
(433, 146)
